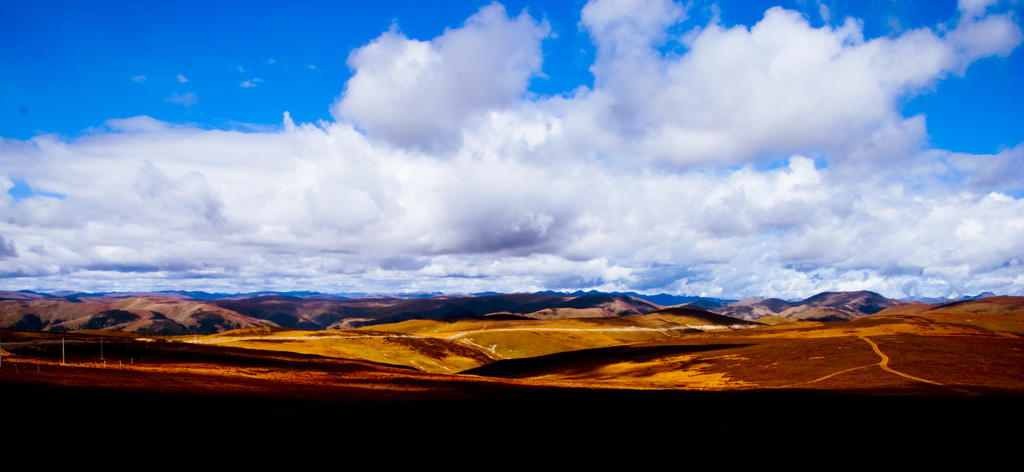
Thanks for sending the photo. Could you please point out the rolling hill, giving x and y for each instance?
(176, 314)
(450, 346)
(939, 353)
(826, 306)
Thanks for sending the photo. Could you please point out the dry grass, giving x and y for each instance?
(956, 350)
(422, 353)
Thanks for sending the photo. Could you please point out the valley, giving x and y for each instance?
(534, 376)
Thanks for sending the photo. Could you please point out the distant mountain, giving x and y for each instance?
(862, 302)
(178, 313)
(941, 300)
(998, 313)
(596, 306)
(826, 306)
(708, 317)
(22, 295)
(995, 305)
(182, 312)
(143, 314)
(194, 295)
(662, 299)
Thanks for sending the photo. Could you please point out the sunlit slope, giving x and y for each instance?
(595, 306)
(144, 314)
(38, 314)
(297, 313)
(174, 315)
(163, 315)
(513, 339)
(457, 345)
(995, 313)
(692, 317)
(921, 355)
(825, 306)
(906, 309)
(419, 352)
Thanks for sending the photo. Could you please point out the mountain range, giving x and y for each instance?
(180, 312)
(825, 306)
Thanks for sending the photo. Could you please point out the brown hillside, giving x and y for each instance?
(912, 354)
(995, 313)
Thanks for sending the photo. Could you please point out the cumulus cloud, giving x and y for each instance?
(251, 82)
(780, 86)
(187, 198)
(629, 28)
(420, 94)
(182, 79)
(441, 173)
(978, 36)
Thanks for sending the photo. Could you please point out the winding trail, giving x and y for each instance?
(884, 364)
(491, 352)
(832, 375)
(233, 339)
(461, 334)
(598, 330)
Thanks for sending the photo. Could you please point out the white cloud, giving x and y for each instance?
(139, 78)
(318, 206)
(975, 8)
(979, 36)
(826, 14)
(7, 249)
(778, 87)
(1002, 171)
(182, 79)
(420, 94)
(186, 99)
(251, 83)
(629, 28)
(464, 183)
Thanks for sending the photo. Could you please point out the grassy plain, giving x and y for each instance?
(455, 346)
(932, 375)
(715, 391)
(912, 351)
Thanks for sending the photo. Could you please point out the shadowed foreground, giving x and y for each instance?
(229, 398)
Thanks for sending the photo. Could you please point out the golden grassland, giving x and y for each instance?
(455, 346)
(913, 379)
(941, 350)
(956, 350)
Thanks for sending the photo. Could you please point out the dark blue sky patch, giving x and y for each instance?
(128, 268)
(403, 263)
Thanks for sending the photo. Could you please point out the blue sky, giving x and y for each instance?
(68, 65)
(707, 103)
